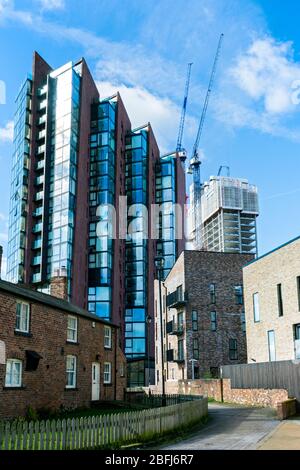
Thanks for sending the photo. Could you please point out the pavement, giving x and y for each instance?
(286, 436)
(232, 427)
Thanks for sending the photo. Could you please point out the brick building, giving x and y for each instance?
(272, 304)
(54, 354)
(203, 315)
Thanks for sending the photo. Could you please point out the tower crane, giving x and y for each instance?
(181, 151)
(227, 168)
(195, 162)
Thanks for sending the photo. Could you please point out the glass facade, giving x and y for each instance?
(102, 193)
(19, 185)
(65, 105)
(136, 262)
(166, 195)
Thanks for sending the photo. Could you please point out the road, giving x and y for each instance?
(230, 427)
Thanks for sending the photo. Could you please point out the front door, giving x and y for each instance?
(95, 381)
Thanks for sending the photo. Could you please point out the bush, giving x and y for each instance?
(31, 414)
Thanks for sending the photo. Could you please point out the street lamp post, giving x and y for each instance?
(193, 367)
(159, 263)
(148, 320)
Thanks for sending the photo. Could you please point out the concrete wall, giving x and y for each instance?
(279, 267)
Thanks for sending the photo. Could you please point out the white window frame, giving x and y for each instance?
(256, 310)
(24, 317)
(271, 345)
(72, 330)
(107, 373)
(11, 363)
(107, 338)
(71, 371)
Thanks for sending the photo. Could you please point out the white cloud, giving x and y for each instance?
(266, 72)
(3, 217)
(52, 4)
(143, 106)
(6, 133)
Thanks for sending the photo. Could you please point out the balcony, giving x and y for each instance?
(177, 299)
(42, 105)
(40, 165)
(39, 196)
(174, 328)
(42, 91)
(37, 244)
(39, 180)
(41, 134)
(175, 356)
(38, 212)
(42, 120)
(36, 261)
(41, 149)
(37, 277)
(37, 228)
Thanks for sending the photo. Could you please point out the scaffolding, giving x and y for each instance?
(229, 207)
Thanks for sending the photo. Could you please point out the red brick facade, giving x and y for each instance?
(46, 386)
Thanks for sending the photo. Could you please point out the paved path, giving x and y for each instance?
(285, 437)
(230, 427)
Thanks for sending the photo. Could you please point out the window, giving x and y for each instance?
(13, 377)
(180, 350)
(72, 329)
(256, 312)
(212, 292)
(22, 317)
(122, 369)
(195, 348)
(279, 298)
(243, 321)
(179, 293)
(107, 337)
(298, 290)
(194, 320)
(213, 321)
(71, 372)
(107, 372)
(271, 345)
(297, 340)
(233, 353)
(157, 376)
(238, 294)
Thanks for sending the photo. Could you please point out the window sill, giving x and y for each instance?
(6, 388)
(108, 348)
(23, 333)
(71, 389)
(72, 342)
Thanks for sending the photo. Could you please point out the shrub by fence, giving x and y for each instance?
(100, 431)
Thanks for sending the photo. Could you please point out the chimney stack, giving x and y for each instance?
(59, 284)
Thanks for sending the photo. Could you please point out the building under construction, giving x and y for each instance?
(227, 220)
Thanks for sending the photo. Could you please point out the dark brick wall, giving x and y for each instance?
(225, 271)
(45, 387)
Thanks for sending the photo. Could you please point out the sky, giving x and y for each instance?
(142, 50)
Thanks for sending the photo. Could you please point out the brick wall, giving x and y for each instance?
(45, 387)
(220, 390)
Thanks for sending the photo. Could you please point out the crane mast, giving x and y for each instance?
(195, 162)
(179, 148)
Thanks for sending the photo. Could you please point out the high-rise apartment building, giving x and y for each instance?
(228, 212)
(75, 157)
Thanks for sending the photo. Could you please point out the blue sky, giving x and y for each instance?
(141, 49)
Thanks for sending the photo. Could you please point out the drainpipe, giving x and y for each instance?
(115, 380)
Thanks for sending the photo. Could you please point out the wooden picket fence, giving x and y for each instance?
(100, 431)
